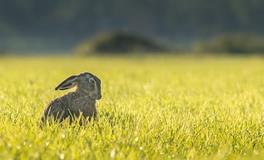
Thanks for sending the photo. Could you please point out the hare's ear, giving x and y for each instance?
(67, 83)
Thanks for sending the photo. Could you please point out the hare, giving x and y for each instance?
(80, 103)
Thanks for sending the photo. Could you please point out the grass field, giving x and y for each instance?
(166, 108)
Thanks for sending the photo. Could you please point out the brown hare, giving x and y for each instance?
(80, 103)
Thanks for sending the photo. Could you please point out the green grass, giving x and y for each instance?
(166, 108)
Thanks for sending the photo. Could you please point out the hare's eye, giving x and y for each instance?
(91, 80)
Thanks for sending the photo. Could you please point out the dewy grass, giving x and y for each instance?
(152, 108)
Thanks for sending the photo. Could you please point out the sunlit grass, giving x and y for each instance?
(166, 108)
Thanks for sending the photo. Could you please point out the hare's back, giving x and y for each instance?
(56, 109)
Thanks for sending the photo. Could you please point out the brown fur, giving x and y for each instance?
(75, 104)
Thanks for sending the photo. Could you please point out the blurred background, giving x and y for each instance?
(126, 26)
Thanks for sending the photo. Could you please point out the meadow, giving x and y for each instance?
(169, 107)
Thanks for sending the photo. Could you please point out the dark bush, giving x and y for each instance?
(118, 42)
(237, 43)
(3, 51)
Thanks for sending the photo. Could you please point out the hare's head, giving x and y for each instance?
(86, 83)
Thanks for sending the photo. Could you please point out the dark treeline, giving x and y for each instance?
(77, 19)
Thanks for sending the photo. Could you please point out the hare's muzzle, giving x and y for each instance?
(99, 97)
